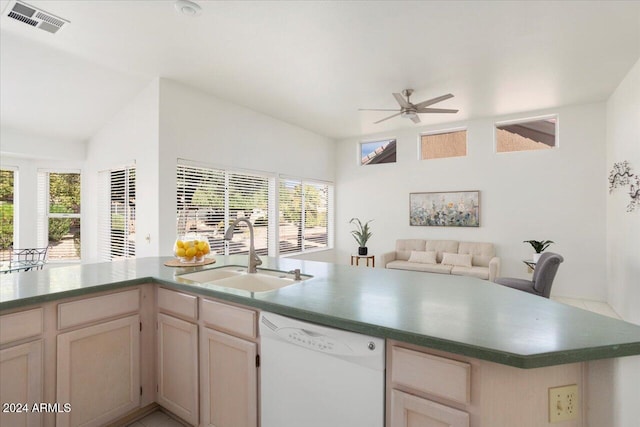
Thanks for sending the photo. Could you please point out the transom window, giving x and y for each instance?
(443, 144)
(526, 135)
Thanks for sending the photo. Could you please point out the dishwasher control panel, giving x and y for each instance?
(313, 340)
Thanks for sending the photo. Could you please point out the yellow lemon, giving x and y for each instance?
(206, 250)
(180, 244)
(190, 252)
(202, 245)
(181, 252)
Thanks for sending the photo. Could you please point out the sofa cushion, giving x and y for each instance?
(405, 246)
(417, 266)
(424, 257)
(440, 246)
(479, 272)
(482, 252)
(461, 260)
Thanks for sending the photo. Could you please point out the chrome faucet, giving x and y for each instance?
(254, 260)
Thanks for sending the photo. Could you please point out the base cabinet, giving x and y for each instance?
(413, 411)
(21, 381)
(177, 367)
(98, 372)
(229, 380)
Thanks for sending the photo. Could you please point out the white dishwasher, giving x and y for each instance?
(314, 376)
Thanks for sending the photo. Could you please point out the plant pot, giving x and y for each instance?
(362, 250)
(536, 257)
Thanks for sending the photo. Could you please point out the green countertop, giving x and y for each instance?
(461, 315)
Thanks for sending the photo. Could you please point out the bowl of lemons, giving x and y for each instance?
(190, 249)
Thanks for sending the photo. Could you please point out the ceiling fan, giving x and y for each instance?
(411, 111)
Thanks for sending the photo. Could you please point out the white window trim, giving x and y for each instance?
(525, 120)
(439, 132)
(330, 214)
(43, 213)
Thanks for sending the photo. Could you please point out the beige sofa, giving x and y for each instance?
(474, 259)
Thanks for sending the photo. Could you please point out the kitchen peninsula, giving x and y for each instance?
(496, 339)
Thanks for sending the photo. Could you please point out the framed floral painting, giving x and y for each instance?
(446, 209)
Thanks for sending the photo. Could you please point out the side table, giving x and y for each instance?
(357, 258)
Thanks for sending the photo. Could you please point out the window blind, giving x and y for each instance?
(305, 214)
(117, 214)
(209, 199)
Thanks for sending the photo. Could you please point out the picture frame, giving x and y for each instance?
(445, 209)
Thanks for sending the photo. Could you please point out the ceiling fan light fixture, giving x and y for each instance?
(409, 114)
(188, 8)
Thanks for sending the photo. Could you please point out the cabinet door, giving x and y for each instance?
(412, 411)
(98, 370)
(229, 380)
(21, 383)
(178, 367)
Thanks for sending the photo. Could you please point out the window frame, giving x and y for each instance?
(330, 214)
(371, 141)
(441, 132)
(15, 219)
(527, 119)
(44, 214)
(105, 213)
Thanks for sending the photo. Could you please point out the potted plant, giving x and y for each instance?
(361, 234)
(539, 246)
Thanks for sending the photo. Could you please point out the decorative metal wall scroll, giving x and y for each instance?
(621, 175)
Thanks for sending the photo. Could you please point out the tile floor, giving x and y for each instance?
(595, 306)
(157, 419)
(160, 419)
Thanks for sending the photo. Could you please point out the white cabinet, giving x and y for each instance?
(229, 380)
(98, 372)
(21, 374)
(228, 365)
(178, 367)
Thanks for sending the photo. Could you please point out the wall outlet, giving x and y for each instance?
(563, 403)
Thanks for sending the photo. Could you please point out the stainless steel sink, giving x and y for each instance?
(236, 277)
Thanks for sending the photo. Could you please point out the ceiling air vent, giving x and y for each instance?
(35, 17)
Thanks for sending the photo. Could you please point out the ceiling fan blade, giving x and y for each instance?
(403, 102)
(435, 110)
(386, 118)
(434, 100)
(377, 109)
(415, 119)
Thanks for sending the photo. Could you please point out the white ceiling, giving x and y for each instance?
(314, 63)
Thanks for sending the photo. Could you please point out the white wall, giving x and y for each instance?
(623, 242)
(199, 127)
(132, 135)
(556, 194)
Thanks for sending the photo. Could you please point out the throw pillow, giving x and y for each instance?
(428, 257)
(461, 260)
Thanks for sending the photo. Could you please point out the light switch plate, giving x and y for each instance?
(563, 403)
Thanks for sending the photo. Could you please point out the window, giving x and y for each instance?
(208, 200)
(59, 213)
(376, 152)
(7, 181)
(443, 144)
(538, 134)
(304, 215)
(117, 214)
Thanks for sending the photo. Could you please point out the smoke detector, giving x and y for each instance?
(35, 17)
(187, 7)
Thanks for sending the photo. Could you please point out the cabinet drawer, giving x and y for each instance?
(21, 325)
(178, 303)
(98, 308)
(446, 378)
(409, 411)
(236, 320)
